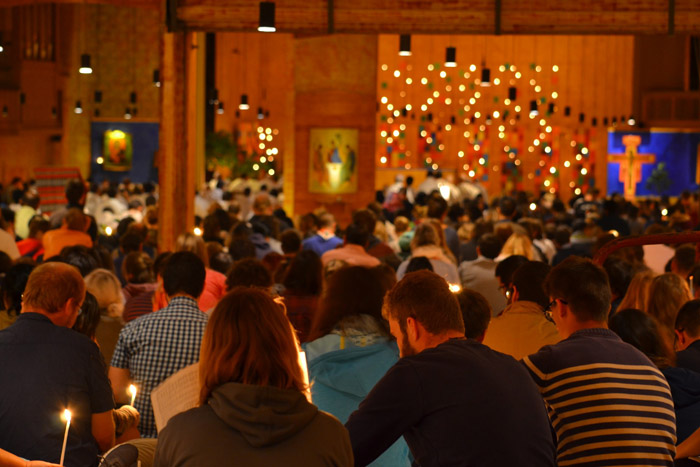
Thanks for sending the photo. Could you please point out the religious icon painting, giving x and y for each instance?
(333, 160)
(117, 151)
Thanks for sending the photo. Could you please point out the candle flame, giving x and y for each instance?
(67, 415)
(455, 288)
(132, 389)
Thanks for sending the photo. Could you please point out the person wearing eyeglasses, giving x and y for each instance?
(607, 402)
(45, 368)
(523, 327)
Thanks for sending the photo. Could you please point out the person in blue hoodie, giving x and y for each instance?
(350, 347)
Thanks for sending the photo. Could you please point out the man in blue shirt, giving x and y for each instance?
(325, 238)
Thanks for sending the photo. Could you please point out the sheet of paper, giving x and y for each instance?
(176, 394)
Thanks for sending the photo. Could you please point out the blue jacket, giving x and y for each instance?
(342, 374)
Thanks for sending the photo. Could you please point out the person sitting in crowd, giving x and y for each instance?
(32, 246)
(215, 282)
(248, 272)
(491, 401)
(324, 239)
(667, 293)
(148, 301)
(30, 204)
(75, 195)
(11, 291)
(437, 209)
(619, 274)
(144, 352)
(480, 274)
(641, 330)
(581, 378)
(45, 368)
(687, 330)
(252, 408)
(375, 246)
(353, 250)
(426, 243)
(128, 243)
(637, 295)
(72, 232)
(522, 328)
(137, 270)
(476, 313)
(105, 287)
(350, 347)
(303, 283)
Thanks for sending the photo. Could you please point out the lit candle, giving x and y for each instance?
(66, 415)
(692, 292)
(132, 391)
(305, 373)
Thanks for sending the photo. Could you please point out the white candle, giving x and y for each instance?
(132, 391)
(692, 292)
(305, 373)
(66, 415)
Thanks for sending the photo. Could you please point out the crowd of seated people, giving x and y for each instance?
(435, 332)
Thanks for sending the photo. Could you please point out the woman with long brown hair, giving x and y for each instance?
(350, 347)
(253, 408)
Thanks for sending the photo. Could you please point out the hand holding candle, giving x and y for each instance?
(67, 416)
(132, 391)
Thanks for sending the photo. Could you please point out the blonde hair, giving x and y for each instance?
(105, 286)
(249, 340)
(637, 295)
(194, 244)
(518, 244)
(667, 293)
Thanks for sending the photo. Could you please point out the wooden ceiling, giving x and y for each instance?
(152, 4)
(429, 17)
(448, 16)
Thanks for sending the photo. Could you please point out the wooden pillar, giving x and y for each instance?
(176, 202)
(335, 87)
(196, 102)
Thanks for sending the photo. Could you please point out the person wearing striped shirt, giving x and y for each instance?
(607, 402)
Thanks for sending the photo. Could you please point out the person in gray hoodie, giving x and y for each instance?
(253, 408)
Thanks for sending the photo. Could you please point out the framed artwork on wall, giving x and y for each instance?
(118, 151)
(333, 160)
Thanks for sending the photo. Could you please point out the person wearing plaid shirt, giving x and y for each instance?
(156, 345)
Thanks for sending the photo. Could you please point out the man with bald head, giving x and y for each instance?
(46, 367)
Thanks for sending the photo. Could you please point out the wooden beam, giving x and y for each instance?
(448, 17)
(152, 4)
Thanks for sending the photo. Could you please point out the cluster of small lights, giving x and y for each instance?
(266, 135)
(542, 143)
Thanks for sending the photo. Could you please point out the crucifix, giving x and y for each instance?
(631, 164)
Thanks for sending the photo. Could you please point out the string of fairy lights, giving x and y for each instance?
(495, 115)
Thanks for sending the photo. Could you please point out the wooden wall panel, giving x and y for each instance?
(320, 103)
(594, 77)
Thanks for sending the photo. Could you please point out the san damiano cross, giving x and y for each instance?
(631, 164)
